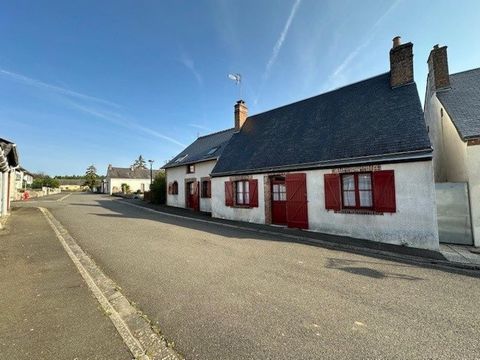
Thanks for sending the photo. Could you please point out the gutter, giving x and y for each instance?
(405, 156)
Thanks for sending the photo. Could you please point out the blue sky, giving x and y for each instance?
(102, 82)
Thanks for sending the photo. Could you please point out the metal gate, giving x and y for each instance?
(453, 213)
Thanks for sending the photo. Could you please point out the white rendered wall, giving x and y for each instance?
(135, 184)
(414, 224)
(473, 165)
(449, 151)
(179, 174)
(219, 210)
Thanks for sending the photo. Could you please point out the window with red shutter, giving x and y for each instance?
(332, 192)
(228, 193)
(253, 192)
(384, 191)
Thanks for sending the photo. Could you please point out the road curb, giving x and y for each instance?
(134, 327)
(463, 268)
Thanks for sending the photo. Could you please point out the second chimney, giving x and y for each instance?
(401, 63)
(241, 114)
(438, 68)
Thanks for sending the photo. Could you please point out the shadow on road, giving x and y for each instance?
(346, 266)
(359, 268)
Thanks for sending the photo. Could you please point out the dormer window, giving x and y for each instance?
(190, 169)
(212, 150)
(180, 159)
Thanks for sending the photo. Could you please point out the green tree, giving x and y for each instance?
(42, 180)
(140, 163)
(91, 177)
(158, 189)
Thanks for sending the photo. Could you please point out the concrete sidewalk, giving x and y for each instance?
(450, 257)
(46, 309)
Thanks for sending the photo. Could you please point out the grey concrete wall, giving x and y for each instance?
(453, 213)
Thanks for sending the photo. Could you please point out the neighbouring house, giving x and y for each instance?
(8, 164)
(23, 180)
(137, 179)
(355, 161)
(188, 173)
(452, 114)
(72, 185)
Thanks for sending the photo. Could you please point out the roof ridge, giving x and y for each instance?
(215, 133)
(321, 94)
(464, 71)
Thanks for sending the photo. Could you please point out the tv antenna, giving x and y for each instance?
(238, 81)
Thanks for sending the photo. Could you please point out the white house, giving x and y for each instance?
(23, 179)
(356, 161)
(137, 178)
(188, 174)
(8, 163)
(452, 113)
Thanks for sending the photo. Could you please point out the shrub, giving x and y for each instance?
(158, 189)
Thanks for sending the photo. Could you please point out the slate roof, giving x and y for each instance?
(201, 149)
(355, 124)
(128, 173)
(462, 102)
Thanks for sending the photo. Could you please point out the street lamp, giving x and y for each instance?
(151, 171)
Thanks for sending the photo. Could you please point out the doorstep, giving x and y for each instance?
(460, 254)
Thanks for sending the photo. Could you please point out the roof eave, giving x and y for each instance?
(417, 155)
(170, 166)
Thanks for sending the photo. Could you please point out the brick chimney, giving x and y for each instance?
(401, 63)
(241, 114)
(438, 76)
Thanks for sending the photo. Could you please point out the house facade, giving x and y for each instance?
(137, 179)
(8, 164)
(356, 161)
(452, 114)
(188, 173)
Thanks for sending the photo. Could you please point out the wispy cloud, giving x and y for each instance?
(201, 127)
(122, 121)
(281, 39)
(366, 41)
(276, 49)
(188, 62)
(102, 109)
(57, 89)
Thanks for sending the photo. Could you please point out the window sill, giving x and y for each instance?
(242, 206)
(358, 212)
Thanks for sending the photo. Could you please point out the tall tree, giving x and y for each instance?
(140, 163)
(91, 176)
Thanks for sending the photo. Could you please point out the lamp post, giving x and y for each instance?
(151, 172)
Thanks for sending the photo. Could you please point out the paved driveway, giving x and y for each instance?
(223, 293)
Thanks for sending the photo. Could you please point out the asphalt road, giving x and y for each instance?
(223, 293)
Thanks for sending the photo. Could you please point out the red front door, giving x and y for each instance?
(279, 201)
(297, 211)
(193, 200)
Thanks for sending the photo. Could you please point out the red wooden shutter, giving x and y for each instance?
(209, 189)
(170, 188)
(297, 209)
(228, 193)
(384, 191)
(196, 196)
(253, 189)
(332, 192)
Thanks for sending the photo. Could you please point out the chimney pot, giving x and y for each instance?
(240, 114)
(401, 63)
(397, 40)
